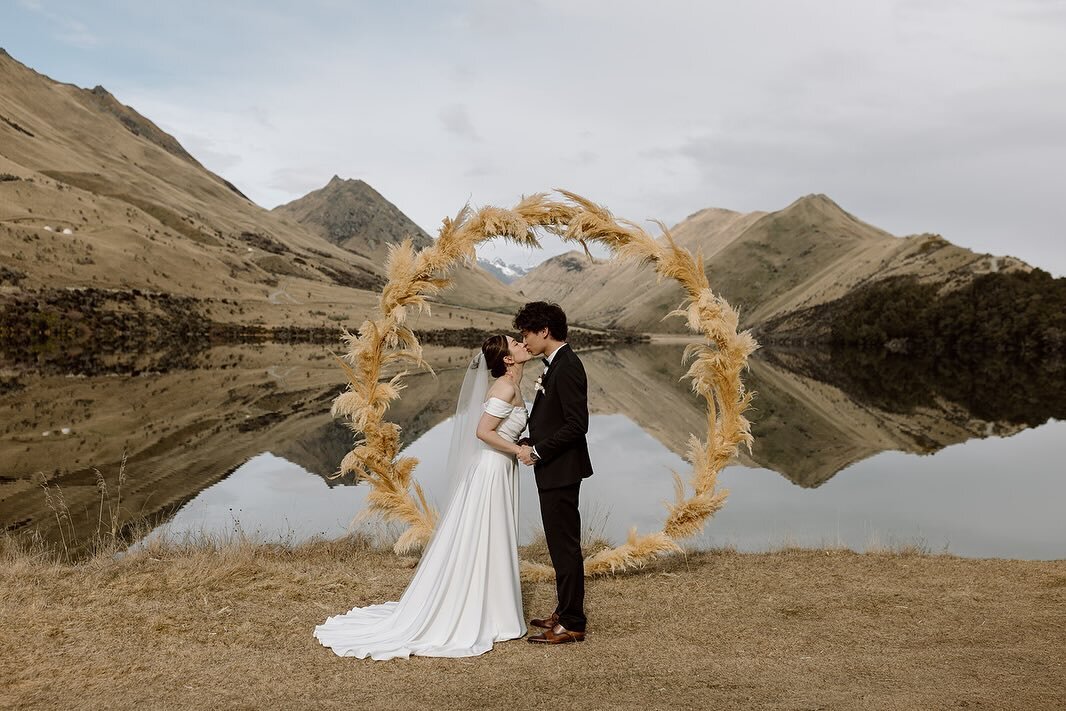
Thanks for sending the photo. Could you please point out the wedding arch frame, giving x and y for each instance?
(717, 363)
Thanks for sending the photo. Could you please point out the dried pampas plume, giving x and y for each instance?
(715, 370)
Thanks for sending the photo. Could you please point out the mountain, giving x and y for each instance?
(506, 273)
(354, 216)
(98, 199)
(765, 264)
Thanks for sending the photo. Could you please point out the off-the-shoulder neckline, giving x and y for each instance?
(500, 399)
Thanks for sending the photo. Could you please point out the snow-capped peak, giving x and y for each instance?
(503, 271)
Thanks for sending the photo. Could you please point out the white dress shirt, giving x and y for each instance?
(548, 358)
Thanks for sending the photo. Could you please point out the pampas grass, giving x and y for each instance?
(715, 369)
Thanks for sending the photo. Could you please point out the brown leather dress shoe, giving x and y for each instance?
(547, 623)
(557, 635)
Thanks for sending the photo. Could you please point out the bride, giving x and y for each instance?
(465, 594)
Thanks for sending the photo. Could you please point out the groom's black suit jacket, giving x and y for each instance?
(559, 422)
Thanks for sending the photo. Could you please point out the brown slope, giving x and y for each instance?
(602, 294)
(812, 241)
(765, 264)
(813, 252)
(625, 294)
(146, 215)
(136, 124)
(352, 215)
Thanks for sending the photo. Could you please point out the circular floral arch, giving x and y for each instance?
(717, 363)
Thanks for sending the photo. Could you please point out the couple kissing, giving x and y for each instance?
(465, 594)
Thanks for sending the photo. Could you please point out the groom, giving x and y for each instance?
(557, 450)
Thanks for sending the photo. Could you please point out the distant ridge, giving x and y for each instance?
(97, 198)
(143, 214)
(766, 264)
(137, 124)
(506, 273)
(126, 189)
(353, 215)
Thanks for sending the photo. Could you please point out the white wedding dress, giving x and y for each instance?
(465, 594)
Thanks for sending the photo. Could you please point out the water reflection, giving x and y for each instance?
(268, 498)
(271, 498)
(996, 497)
(836, 435)
(952, 501)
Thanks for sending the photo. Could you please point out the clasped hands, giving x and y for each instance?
(525, 452)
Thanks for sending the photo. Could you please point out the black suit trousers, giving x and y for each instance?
(562, 529)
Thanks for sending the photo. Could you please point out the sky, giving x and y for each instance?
(945, 116)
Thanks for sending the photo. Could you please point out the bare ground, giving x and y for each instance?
(798, 629)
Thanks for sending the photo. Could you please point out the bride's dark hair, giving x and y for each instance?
(495, 348)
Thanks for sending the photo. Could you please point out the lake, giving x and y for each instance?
(856, 450)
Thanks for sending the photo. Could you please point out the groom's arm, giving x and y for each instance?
(573, 397)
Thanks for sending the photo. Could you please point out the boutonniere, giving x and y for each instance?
(538, 386)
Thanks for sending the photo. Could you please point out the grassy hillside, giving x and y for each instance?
(352, 215)
(95, 196)
(1018, 313)
(765, 264)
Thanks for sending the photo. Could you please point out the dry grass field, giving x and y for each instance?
(230, 627)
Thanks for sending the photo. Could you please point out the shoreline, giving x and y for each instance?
(673, 338)
(91, 329)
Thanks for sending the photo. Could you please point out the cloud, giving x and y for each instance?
(67, 29)
(915, 116)
(480, 170)
(456, 120)
(296, 181)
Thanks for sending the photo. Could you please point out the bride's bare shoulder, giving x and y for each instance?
(502, 389)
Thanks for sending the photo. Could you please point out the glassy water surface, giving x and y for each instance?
(850, 450)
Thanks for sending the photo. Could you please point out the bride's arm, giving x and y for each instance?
(486, 432)
(486, 426)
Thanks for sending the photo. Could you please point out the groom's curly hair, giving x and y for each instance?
(542, 314)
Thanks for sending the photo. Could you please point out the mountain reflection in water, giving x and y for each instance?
(816, 414)
(942, 502)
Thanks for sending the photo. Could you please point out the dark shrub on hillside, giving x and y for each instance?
(1019, 313)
